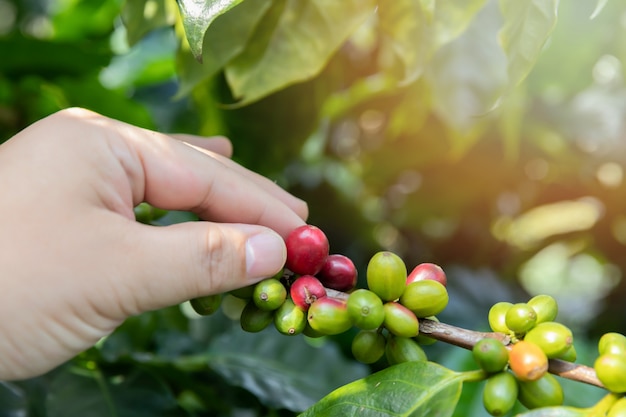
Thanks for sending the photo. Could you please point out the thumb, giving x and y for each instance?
(187, 260)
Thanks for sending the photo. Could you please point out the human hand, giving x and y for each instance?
(74, 263)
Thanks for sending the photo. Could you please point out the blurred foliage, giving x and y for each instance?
(486, 136)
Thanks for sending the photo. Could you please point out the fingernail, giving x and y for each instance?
(265, 255)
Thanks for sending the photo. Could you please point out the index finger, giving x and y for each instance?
(173, 175)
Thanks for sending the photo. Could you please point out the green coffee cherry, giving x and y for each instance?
(253, 319)
(618, 409)
(399, 320)
(612, 343)
(552, 337)
(206, 305)
(329, 316)
(269, 294)
(245, 293)
(611, 371)
(403, 349)
(233, 306)
(310, 332)
(491, 355)
(500, 393)
(368, 346)
(543, 392)
(365, 309)
(425, 298)
(289, 319)
(146, 213)
(545, 306)
(520, 318)
(386, 275)
(569, 355)
(497, 314)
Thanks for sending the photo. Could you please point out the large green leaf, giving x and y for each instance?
(282, 372)
(468, 75)
(452, 17)
(410, 389)
(197, 17)
(224, 39)
(415, 30)
(143, 16)
(527, 26)
(408, 29)
(293, 44)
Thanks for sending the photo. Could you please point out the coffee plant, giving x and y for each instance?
(465, 157)
(516, 360)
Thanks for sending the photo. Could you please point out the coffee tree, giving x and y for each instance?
(462, 161)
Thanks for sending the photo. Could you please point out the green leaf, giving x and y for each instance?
(408, 31)
(410, 389)
(468, 76)
(415, 30)
(293, 44)
(527, 26)
(148, 62)
(143, 16)
(197, 17)
(13, 400)
(452, 17)
(282, 372)
(81, 393)
(224, 39)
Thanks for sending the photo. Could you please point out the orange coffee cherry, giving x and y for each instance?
(527, 361)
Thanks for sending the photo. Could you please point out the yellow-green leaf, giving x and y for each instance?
(292, 44)
(527, 26)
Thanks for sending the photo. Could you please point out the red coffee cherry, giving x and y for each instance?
(338, 273)
(305, 290)
(307, 250)
(427, 270)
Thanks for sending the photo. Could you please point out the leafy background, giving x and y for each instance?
(483, 135)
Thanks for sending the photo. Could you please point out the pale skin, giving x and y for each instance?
(74, 263)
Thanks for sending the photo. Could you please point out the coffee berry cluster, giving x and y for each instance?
(519, 370)
(315, 294)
